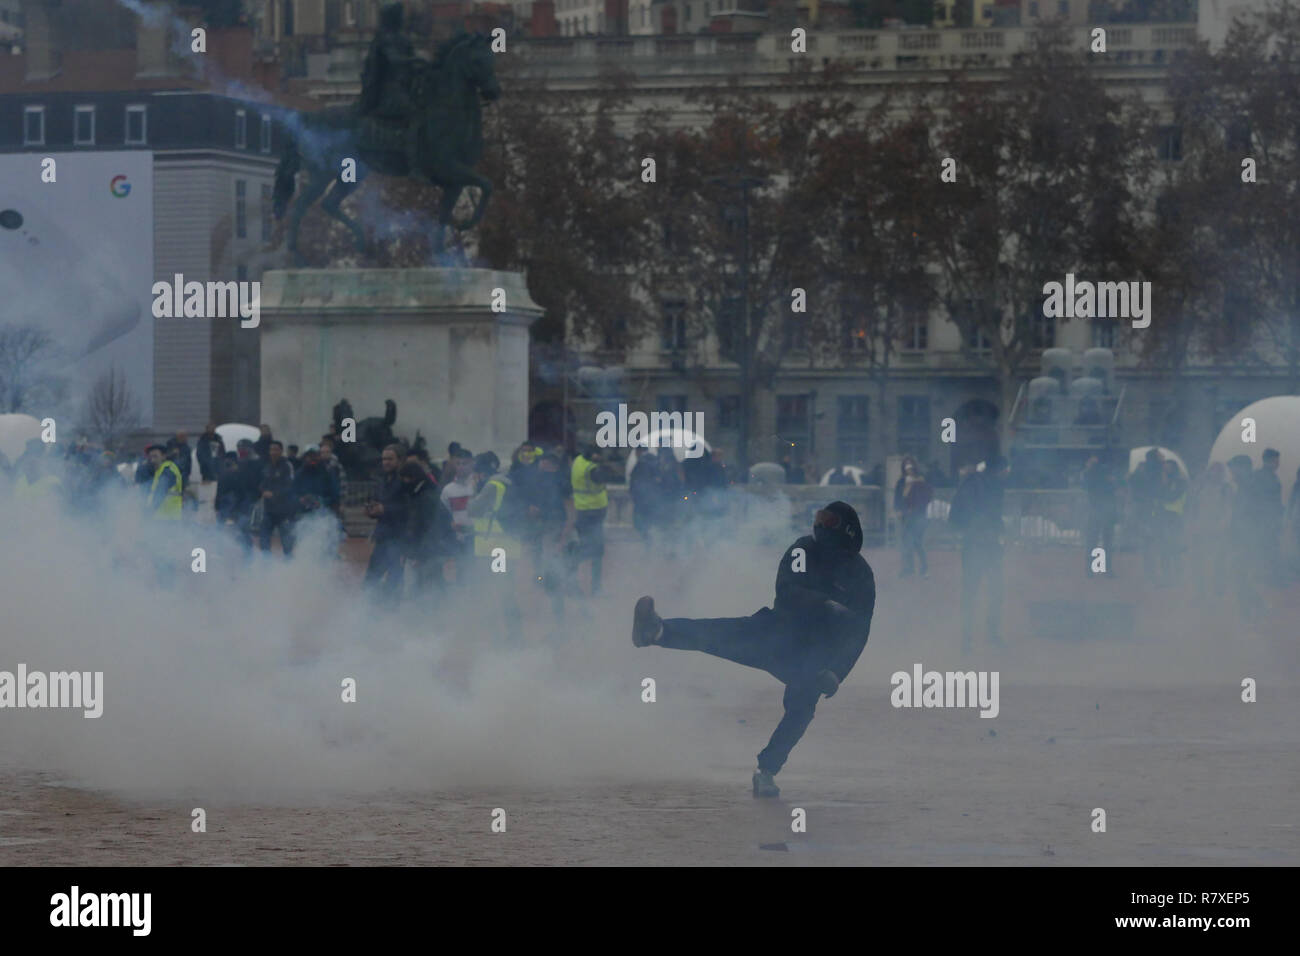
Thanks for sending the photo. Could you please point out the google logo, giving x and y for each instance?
(119, 187)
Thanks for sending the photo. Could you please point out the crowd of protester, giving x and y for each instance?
(439, 525)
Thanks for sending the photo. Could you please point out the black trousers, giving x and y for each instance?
(981, 561)
(771, 643)
(590, 526)
(385, 572)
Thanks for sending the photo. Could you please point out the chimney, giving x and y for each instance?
(153, 40)
(44, 47)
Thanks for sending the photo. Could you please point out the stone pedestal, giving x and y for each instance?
(426, 338)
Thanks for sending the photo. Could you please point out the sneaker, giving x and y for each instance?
(647, 626)
(764, 785)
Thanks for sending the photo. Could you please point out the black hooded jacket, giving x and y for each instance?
(834, 570)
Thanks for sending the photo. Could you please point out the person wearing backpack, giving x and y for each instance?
(498, 513)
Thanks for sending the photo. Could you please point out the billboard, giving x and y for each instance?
(76, 261)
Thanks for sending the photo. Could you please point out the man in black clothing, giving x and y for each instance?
(1103, 511)
(210, 451)
(391, 512)
(1268, 489)
(809, 639)
(977, 513)
(277, 499)
(428, 528)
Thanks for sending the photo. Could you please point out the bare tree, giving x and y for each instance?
(26, 382)
(110, 412)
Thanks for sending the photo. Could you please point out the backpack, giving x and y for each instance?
(513, 509)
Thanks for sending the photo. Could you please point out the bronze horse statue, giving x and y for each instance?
(441, 144)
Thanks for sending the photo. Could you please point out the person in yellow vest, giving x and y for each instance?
(166, 487)
(497, 550)
(31, 484)
(589, 475)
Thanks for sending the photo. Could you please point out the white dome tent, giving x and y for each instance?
(15, 432)
(1138, 455)
(1277, 425)
(232, 433)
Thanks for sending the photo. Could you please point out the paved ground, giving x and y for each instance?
(1149, 726)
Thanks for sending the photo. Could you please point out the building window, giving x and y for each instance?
(265, 142)
(586, 24)
(1103, 334)
(673, 336)
(977, 340)
(83, 126)
(1033, 8)
(643, 16)
(792, 415)
(1063, 8)
(852, 426)
(1170, 144)
(914, 425)
(917, 338)
(136, 132)
(267, 219)
(241, 273)
(33, 125)
(671, 403)
(288, 18)
(241, 209)
(349, 14)
(686, 14)
(241, 129)
(793, 426)
(729, 411)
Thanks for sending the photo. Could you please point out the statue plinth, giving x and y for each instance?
(426, 338)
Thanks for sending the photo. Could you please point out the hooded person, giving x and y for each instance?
(809, 639)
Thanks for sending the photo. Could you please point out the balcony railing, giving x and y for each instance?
(896, 49)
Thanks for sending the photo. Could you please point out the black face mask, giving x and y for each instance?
(831, 538)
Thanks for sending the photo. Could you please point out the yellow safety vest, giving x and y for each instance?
(587, 494)
(39, 488)
(488, 533)
(171, 505)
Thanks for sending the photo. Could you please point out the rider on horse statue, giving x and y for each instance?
(386, 85)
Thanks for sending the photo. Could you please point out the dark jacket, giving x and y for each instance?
(278, 479)
(915, 503)
(392, 525)
(977, 508)
(429, 524)
(209, 450)
(249, 479)
(184, 458)
(315, 483)
(232, 494)
(835, 573)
